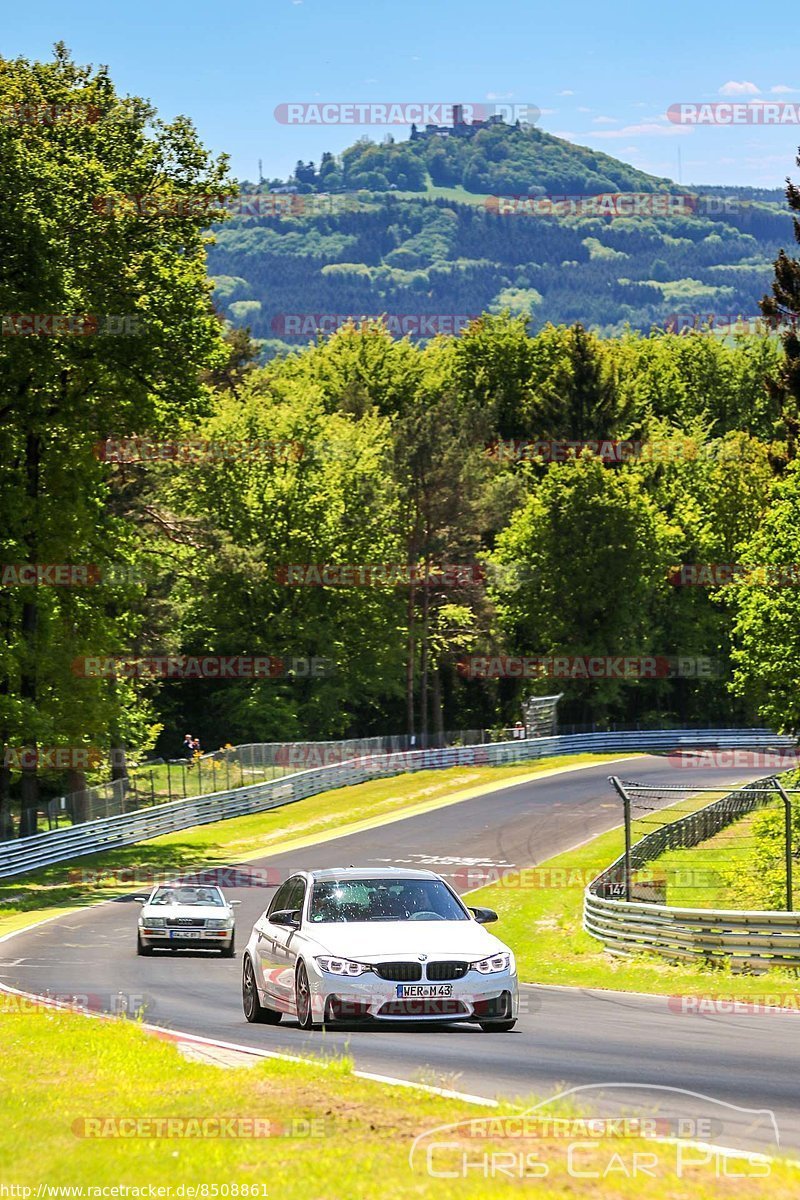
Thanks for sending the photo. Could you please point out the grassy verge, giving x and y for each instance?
(701, 877)
(322, 1134)
(86, 880)
(541, 913)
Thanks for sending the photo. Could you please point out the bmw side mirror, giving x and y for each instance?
(234, 903)
(141, 899)
(484, 916)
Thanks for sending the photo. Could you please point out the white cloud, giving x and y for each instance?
(605, 121)
(582, 108)
(742, 88)
(547, 112)
(781, 89)
(499, 95)
(648, 129)
(566, 92)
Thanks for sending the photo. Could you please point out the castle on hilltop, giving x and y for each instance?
(459, 128)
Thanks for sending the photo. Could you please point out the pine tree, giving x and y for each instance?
(782, 309)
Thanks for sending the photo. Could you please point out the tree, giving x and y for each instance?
(75, 243)
(581, 566)
(782, 309)
(765, 604)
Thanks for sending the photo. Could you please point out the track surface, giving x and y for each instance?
(564, 1038)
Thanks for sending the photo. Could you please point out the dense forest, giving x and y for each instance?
(452, 227)
(391, 526)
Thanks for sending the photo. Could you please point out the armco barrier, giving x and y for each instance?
(108, 833)
(751, 939)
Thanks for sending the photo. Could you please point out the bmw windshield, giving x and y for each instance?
(384, 900)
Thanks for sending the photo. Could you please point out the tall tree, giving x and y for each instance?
(106, 325)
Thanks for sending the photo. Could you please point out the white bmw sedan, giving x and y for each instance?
(184, 916)
(349, 944)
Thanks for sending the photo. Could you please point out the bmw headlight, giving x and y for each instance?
(152, 922)
(493, 965)
(219, 924)
(341, 966)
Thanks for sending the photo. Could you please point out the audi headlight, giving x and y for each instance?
(341, 966)
(219, 924)
(493, 965)
(152, 922)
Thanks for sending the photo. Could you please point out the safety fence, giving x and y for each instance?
(627, 924)
(123, 829)
(160, 781)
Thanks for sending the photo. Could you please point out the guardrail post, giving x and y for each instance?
(626, 805)
(787, 834)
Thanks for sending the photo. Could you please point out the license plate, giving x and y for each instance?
(415, 991)
(184, 933)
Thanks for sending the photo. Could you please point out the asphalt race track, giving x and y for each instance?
(564, 1038)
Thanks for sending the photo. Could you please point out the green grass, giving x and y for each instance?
(360, 1132)
(68, 885)
(695, 877)
(541, 914)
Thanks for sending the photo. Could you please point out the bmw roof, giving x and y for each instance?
(370, 873)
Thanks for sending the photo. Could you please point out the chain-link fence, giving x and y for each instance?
(162, 781)
(662, 823)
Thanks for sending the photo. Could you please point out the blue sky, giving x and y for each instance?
(603, 75)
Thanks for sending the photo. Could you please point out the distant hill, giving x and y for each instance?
(499, 159)
(414, 230)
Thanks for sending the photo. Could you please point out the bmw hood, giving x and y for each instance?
(382, 941)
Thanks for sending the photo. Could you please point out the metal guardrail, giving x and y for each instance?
(46, 849)
(749, 938)
(160, 781)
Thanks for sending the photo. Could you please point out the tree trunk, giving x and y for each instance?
(438, 714)
(410, 662)
(30, 624)
(423, 693)
(6, 821)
